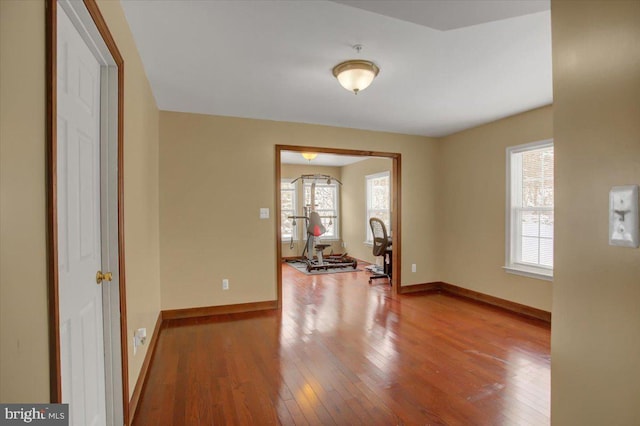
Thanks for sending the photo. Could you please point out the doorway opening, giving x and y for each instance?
(394, 167)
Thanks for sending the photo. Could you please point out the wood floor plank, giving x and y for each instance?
(342, 351)
(295, 412)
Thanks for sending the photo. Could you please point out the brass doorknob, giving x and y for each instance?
(107, 276)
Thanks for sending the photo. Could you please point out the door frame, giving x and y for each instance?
(95, 29)
(396, 184)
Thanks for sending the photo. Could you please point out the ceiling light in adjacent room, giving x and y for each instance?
(309, 155)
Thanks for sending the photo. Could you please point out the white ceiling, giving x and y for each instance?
(450, 14)
(273, 59)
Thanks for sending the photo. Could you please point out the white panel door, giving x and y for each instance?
(79, 240)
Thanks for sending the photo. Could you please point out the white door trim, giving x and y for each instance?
(87, 19)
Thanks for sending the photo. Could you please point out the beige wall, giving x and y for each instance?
(23, 284)
(472, 207)
(24, 343)
(215, 174)
(293, 171)
(595, 347)
(354, 205)
(141, 192)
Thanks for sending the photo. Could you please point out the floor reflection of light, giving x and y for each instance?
(527, 385)
(324, 311)
(321, 311)
(382, 353)
(307, 392)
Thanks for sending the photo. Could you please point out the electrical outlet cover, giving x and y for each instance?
(623, 216)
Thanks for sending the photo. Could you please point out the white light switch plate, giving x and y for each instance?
(264, 212)
(623, 216)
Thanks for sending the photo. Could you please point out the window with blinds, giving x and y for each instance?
(326, 199)
(530, 209)
(378, 201)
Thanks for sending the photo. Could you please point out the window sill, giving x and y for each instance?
(368, 243)
(531, 272)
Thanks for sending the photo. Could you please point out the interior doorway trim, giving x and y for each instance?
(116, 74)
(396, 214)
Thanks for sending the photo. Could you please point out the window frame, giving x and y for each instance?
(367, 208)
(513, 264)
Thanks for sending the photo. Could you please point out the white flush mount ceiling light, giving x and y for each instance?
(355, 75)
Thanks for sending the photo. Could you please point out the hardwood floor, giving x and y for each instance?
(344, 352)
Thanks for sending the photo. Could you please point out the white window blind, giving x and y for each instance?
(287, 208)
(378, 201)
(530, 220)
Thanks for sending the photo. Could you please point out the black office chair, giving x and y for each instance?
(381, 247)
